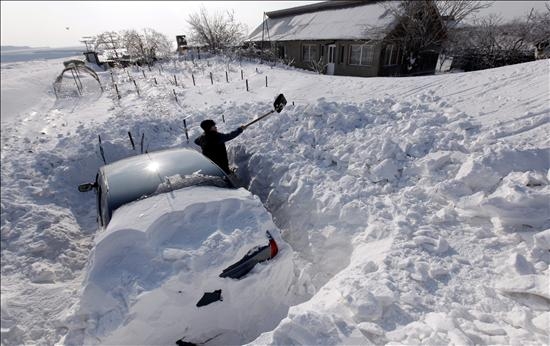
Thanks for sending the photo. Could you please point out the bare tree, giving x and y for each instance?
(422, 25)
(148, 47)
(109, 41)
(158, 45)
(490, 42)
(216, 31)
(459, 10)
(539, 32)
(134, 43)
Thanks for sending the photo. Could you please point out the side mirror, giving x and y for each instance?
(86, 187)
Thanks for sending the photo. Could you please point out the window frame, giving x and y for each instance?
(282, 51)
(394, 57)
(309, 55)
(368, 48)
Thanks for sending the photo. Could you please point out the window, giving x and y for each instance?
(392, 55)
(361, 54)
(281, 52)
(341, 54)
(330, 57)
(309, 52)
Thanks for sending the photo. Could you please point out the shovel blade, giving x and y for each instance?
(279, 103)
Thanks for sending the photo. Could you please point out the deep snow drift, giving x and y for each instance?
(156, 259)
(417, 208)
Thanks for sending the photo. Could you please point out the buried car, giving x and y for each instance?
(182, 257)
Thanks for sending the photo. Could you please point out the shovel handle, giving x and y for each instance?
(260, 118)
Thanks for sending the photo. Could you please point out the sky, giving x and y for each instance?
(64, 23)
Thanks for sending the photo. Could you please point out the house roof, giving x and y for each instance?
(330, 20)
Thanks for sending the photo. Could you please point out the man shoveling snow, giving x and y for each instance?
(212, 143)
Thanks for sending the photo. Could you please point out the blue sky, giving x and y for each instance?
(64, 23)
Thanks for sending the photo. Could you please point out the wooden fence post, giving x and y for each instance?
(211, 79)
(186, 133)
(192, 76)
(247, 85)
(137, 89)
(226, 77)
(131, 140)
(118, 94)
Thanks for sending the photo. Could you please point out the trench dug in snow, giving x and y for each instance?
(398, 207)
(351, 192)
(371, 195)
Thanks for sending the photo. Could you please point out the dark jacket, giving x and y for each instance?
(213, 146)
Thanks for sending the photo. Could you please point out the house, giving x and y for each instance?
(349, 38)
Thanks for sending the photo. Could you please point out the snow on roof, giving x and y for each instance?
(343, 23)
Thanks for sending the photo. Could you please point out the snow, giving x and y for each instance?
(345, 24)
(161, 254)
(416, 210)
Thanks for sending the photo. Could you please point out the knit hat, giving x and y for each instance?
(207, 124)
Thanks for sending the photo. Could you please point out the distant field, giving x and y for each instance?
(14, 54)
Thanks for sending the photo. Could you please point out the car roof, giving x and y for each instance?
(144, 175)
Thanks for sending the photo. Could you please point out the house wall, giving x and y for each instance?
(293, 50)
(345, 69)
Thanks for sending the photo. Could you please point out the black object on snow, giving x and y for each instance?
(210, 297)
(255, 255)
(180, 342)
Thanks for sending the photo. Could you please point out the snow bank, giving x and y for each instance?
(157, 258)
(416, 208)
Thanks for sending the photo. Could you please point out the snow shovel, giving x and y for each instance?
(278, 106)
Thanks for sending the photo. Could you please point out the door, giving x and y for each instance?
(331, 58)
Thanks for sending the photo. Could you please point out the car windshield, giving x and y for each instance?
(142, 176)
(177, 182)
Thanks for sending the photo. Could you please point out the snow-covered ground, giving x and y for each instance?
(418, 209)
